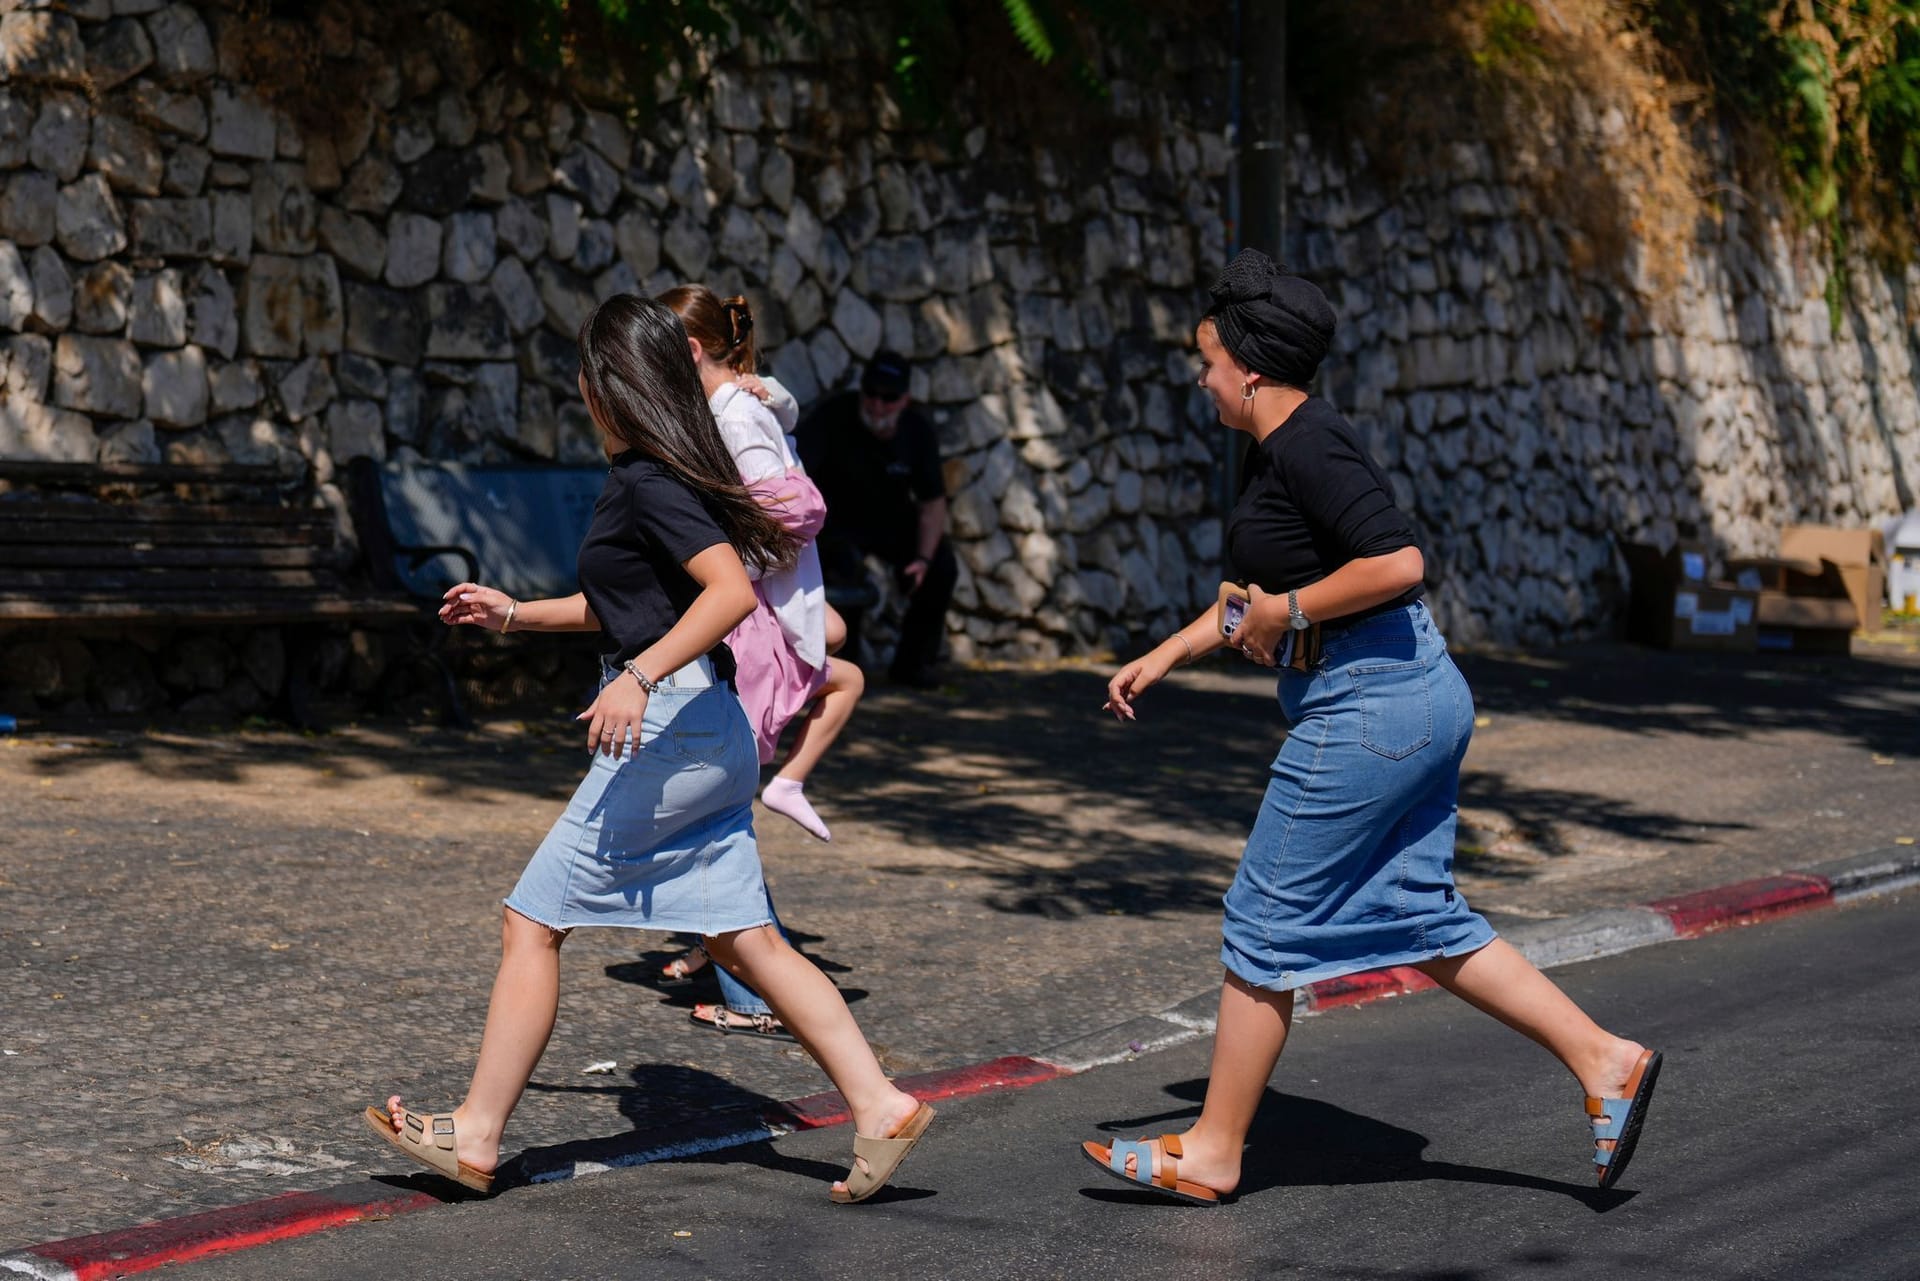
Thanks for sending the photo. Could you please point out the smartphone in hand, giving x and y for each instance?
(1233, 608)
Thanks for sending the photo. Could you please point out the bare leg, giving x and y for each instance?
(1503, 983)
(836, 630)
(814, 1011)
(1247, 1042)
(831, 711)
(526, 996)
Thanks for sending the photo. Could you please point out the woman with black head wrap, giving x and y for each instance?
(1350, 863)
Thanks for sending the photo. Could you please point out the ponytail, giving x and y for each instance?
(724, 330)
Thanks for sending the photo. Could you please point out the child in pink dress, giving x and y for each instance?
(783, 647)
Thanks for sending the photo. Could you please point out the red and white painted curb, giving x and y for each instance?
(137, 1249)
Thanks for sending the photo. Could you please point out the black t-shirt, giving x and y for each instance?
(646, 526)
(873, 487)
(1312, 500)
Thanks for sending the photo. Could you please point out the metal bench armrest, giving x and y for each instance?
(420, 555)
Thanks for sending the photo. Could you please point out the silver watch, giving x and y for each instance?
(1296, 619)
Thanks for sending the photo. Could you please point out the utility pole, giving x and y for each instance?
(1257, 133)
(1260, 140)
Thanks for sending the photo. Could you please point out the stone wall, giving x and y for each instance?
(187, 272)
(1531, 412)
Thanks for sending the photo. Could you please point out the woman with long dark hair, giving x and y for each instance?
(659, 835)
(1350, 863)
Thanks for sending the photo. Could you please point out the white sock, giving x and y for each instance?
(784, 796)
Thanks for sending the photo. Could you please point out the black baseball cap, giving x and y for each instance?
(887, 375)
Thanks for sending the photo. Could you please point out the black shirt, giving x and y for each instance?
(1311, 501)
(646, 526)
(873, 487)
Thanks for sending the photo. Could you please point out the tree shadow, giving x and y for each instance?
(677, 1113)
(1018, 780)
(1302, 1142)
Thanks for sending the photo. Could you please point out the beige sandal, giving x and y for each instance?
(427, 1137)
(883, 1157)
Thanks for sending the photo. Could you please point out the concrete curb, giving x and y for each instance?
(1584, 937)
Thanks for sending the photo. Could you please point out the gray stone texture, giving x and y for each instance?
(182, 48)
(174, 387)
(97, 375)
(87, 221)
(159, 310)
(127, 154)
(120, 51)
(413, 250)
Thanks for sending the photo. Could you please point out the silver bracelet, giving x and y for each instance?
(507, 622)
(1184, 641)
(646, 682)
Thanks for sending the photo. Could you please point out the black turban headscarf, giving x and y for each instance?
(1274, 323)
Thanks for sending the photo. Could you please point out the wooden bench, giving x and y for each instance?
(177, 545)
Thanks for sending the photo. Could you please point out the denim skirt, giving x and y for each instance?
(661, 838)
(1350, 863)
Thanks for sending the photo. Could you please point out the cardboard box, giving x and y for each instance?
(1803, 605)
(1861, 555)
(1674, 605)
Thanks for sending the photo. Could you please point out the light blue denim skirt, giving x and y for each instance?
(661, 838)
(1350, 863)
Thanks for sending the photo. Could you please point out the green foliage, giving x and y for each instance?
(1831, 90)
(1029, 29)
(1508, 36)
(928, 46)
(639, 39)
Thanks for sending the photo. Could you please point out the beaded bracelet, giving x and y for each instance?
(646, 682)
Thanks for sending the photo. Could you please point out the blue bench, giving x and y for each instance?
(425, 526)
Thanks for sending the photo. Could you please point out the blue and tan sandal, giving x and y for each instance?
(1620, 1120)
(1114, 1161)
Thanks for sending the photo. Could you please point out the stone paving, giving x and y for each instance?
(222, 942)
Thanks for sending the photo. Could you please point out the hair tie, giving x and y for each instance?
(739, 323)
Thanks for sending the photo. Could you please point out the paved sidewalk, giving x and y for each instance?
(223, 943)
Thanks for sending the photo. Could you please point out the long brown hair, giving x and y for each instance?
(723, 327)
(640, 377)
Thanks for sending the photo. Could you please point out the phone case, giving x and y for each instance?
(1231, 592)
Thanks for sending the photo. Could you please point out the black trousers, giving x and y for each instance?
(925, 624)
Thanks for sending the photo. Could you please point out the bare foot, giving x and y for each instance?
(1199, 1162)
(1609, 1080)
(472, 1146)
(889, 1121)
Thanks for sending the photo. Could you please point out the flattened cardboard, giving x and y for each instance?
(1861, 555)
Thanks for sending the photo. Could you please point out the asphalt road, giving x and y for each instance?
(1411, 1139)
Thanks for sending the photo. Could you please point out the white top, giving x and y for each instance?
(756, 436)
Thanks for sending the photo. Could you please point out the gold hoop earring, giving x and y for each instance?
(1246, 391)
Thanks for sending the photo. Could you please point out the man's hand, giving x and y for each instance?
(914, 573)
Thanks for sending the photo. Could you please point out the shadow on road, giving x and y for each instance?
(1301, 1142)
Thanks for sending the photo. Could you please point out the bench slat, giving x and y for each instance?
(165, 513)
(185, 611)
(62, 556)
(55, 473)
(132, 533)
(139, 582)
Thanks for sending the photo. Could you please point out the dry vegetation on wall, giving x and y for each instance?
(1606, 112)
